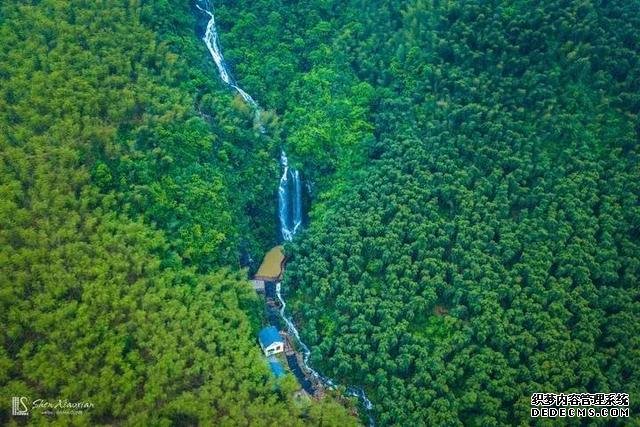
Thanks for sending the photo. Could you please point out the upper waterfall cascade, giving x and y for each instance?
(289, 196)
(289, 200)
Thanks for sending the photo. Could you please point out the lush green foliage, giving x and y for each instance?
(475, 235)
(121, 156)
(490, 247)
(291, 67)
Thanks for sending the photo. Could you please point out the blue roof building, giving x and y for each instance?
(270, 341)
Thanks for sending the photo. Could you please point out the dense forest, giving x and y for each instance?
(472, 174)
(475, 233)
(121, 227)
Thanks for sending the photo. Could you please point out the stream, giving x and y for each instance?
(289, 200)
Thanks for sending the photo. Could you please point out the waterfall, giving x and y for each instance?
(289, 198)
(213, 45)
(283, 199)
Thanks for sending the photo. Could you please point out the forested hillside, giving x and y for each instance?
(482, 241)
(121, 223)
(473, 174)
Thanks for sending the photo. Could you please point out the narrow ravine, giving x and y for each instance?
(289, 201)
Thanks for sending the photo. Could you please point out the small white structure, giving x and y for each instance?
(258, 285)
(270, 341)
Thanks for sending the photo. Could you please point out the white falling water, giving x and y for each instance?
(306, 353)
(283, 199)
(212, 42)
(289, 197)
(289, 200)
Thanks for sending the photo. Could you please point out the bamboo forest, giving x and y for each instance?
(320, 213)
